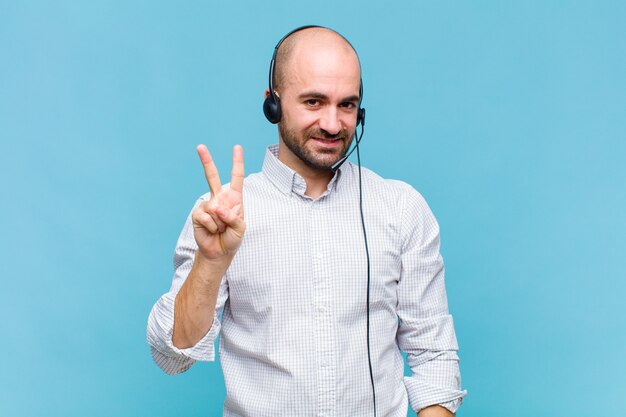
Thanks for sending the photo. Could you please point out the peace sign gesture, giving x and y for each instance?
(218, 224)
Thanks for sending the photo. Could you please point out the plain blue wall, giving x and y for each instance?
(508, 117)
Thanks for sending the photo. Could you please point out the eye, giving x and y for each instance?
(348, 105)
(312, 102)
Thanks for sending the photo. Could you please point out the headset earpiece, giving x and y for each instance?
(271, 105)
(271, 108)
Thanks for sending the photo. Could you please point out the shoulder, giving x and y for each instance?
(254, 179)
(394, 191)
(256, 185)
(398, 200)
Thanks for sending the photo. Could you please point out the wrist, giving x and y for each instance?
(210, 266)
(435, 411)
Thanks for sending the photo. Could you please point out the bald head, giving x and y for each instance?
(311, 43)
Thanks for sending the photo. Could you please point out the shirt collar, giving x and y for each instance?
(286, 179)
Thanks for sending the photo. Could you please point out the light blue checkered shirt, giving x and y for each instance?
(293, 329)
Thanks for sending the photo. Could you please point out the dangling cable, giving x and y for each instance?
(367, 254)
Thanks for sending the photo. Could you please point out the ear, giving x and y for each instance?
(267, 92)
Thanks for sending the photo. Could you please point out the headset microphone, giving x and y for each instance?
(339, 163)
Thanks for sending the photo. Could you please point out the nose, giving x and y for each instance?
(329, 121)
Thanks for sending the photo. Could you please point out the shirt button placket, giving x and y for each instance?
(321, 306)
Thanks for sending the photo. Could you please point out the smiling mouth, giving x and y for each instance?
(327, 140)
(325, 145)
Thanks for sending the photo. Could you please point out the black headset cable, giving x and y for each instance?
(367, 254)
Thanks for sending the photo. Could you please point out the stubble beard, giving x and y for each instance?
(314, 159)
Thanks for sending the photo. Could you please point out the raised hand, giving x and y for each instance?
(219, 223)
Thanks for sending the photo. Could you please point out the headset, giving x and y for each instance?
(273, 113)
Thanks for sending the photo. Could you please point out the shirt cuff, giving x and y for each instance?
(159, 334)
(454, 405)
(422, 395)
(204, 350)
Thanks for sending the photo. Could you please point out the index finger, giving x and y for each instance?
(210, 170)
(237, 174)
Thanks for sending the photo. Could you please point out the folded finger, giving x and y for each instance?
(204, 219)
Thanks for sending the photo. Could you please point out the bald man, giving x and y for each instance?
(286, 284)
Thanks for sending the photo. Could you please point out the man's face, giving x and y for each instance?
(319, 101)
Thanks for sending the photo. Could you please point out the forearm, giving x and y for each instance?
(435, 411)
(195, 302)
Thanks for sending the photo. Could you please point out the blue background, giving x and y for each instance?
(509, 117)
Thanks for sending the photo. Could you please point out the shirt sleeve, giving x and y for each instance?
(161, 319)
(426, 330)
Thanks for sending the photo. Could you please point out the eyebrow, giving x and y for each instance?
(320, 96)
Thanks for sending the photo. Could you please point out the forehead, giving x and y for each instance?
(331, 68)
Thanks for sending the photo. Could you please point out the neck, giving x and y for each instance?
(316, 179)
(316, 182)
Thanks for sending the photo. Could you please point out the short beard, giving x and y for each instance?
(291, 140)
